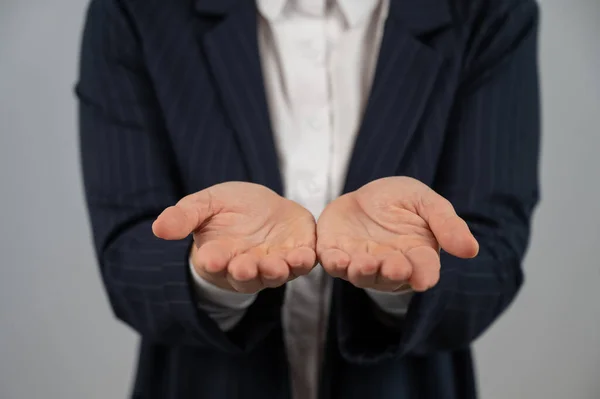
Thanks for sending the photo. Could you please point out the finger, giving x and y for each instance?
(363, 269)
(451, 232)
(335, 262)
(396, 270)
(178, 221)
(242, 274)
(273, 270)
(425, 263)
(213, 258)
(301, 261)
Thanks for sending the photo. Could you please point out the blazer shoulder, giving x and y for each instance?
(142, 13)
(492, 32)
(133, 25)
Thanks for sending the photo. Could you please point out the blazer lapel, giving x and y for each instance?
(405, 75)
(232, 51)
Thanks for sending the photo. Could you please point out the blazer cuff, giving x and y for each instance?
(255, 325)
(366, 336)
(225, 307)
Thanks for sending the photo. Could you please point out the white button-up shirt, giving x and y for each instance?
(318, 59)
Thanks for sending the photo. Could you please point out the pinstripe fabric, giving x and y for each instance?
(171, 101)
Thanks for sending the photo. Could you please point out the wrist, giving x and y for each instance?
(209, 292)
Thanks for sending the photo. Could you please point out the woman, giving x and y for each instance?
(270, 184)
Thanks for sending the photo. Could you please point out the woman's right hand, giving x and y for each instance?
(246, 237)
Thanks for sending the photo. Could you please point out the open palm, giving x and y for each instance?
(246, 236)
(389, 233)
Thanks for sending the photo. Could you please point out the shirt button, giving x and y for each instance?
(315, 123)
(306, 184)
(312, 52)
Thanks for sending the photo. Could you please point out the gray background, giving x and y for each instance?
(58, 338)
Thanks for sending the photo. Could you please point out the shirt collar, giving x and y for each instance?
(271, 9)
(354, 11)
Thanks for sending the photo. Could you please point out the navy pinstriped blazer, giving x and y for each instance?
(171, 101)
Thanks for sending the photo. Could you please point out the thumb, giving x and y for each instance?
(451, 232)
(178, 221)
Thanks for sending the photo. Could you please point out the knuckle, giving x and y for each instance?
(368, 269)
(213, 267)
(398, 274)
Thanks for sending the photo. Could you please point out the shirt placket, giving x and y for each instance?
(308, 177)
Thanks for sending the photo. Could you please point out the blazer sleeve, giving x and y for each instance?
(130, 175)
(489, 172)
